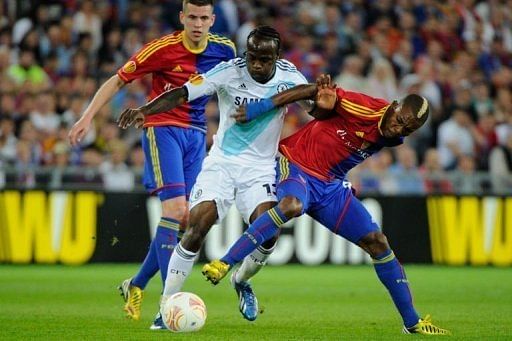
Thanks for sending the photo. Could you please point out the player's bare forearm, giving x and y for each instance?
(297, 93)
(102, 96)
(166, 101)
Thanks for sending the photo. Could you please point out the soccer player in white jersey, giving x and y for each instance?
(240, 167)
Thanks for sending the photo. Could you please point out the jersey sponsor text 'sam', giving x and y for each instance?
(254, 141)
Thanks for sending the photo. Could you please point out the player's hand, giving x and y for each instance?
(240, 114)
(324, 81)
(326, 92)
(131, 116)
(79, 130)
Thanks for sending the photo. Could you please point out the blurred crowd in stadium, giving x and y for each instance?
(457, 54)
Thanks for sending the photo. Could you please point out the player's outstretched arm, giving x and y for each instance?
(166, 101)
(102, 96)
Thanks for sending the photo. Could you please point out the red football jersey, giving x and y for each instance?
(328, 149)
(172, 63)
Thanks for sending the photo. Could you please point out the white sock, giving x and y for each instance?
(180, 265)
(252, 264)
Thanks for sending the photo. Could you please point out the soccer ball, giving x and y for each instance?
(183, 312)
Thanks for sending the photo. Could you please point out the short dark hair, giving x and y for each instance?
(199, 2)
(419, 108)
(268, 33)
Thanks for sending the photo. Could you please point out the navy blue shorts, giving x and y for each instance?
(331, 203)
(174, 157)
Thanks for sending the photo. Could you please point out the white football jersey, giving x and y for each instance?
(257, 140)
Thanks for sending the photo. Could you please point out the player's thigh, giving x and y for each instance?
(214, 183)
(292, 182)
(255, 186)
(345, 215)
(163, 173)
(193, 158)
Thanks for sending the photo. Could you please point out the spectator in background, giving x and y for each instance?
(331, 54)
(466, 180)
(330, 21)
(226, 18)
(500, 166)
(351, 32)
(32, 149)
(114, 170)
(456, 137)
(373, 175)
(435, 178)
(8, 140)
(405, 171)
(60, 161)
(304, 57)
(382, 80)
(44, 117)
(486, 129)
(351, 77)
(136, 158)
(256, 17)
(28, 73)
(86, 20)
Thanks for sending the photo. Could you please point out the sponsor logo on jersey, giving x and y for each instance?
(242, 87)
(342, 134)
(196, 79)
(359, 133)
(244, 100)
(177, 68)
(129, 67)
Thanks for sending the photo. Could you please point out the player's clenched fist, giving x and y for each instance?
(131, 116)
(240, 114)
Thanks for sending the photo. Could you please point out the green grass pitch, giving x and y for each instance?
(299, 302)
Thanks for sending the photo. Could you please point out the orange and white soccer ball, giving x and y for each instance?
(183, 312)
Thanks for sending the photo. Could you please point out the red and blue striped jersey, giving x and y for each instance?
(328, 149)
(171, 62)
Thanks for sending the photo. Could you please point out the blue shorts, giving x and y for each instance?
(173, 160)
(331, 203)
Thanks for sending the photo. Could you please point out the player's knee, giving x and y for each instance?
(375, 243)
(193, 238)
(175, 210)
(290, 206)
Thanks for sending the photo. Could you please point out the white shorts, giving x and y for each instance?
(228, 181)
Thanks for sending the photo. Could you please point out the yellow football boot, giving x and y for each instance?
(215, 271)
(425, 327)
(133, 296)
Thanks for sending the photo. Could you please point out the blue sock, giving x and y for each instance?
(392, 275)
(160, 252)
(167, 239)
(262, 229)
(148, 269)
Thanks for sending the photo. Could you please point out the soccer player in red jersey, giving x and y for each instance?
(174, 141)
(349, 128)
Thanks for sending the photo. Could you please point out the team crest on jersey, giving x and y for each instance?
(129, 67)
(282, 87)
(198, 194)
(196, 79)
